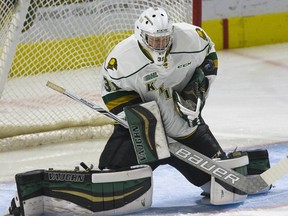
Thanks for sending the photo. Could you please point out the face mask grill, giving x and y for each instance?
(158, 42)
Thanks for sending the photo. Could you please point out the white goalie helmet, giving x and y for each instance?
(154, 31)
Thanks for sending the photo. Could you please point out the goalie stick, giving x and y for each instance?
(247, 184)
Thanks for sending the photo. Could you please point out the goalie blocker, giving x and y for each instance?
(147, 132)
(83, 192)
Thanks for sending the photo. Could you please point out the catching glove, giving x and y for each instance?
(187, 109)
(196, 88)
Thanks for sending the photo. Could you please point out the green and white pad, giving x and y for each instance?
(83, 192)
(249, 163)
(147, 132)
(223, 194)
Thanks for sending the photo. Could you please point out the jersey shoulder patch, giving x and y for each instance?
(112, 64)
(201, 33)
(125, 59)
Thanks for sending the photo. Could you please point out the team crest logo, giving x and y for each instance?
(112, 64)
(201, 34)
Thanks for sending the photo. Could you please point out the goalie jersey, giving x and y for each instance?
(130, 75)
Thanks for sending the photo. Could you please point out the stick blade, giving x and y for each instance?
(276, 172)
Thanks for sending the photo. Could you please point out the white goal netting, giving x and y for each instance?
(63, 41)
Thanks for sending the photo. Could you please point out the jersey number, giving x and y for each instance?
(109, 85)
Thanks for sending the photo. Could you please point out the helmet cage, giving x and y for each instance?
(159, 41)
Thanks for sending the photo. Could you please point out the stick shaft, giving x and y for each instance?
(87, 103)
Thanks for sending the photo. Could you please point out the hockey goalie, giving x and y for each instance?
(157, 80)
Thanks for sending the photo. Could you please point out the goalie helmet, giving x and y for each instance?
(154, 31)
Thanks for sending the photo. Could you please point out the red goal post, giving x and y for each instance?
(197, 12)
(64, 41)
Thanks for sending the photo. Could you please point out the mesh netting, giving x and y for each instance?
(63, 41)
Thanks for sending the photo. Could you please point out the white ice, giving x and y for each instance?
(247, 107)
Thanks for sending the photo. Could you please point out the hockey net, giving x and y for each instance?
(63, 41)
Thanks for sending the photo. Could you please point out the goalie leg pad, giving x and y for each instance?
(147, 132)
(221, 193)
(83, 192)
(247, 163)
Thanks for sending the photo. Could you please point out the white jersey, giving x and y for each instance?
(128, 68)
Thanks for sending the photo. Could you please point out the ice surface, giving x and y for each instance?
(247, 107)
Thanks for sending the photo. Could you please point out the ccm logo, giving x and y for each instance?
(206, 165)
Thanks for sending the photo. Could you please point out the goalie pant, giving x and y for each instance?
(83, 192)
